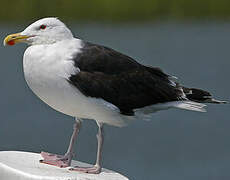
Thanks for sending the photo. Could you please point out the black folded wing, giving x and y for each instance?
(120, 80)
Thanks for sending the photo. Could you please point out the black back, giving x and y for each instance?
(120, 80)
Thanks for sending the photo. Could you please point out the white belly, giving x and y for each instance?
(47, 73)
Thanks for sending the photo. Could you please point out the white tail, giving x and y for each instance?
(189, 105)
(186, 104)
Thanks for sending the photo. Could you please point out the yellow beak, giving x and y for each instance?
(15, 38)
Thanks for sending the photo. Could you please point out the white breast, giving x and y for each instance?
(47, 68)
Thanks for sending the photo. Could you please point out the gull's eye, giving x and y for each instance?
(42, 26)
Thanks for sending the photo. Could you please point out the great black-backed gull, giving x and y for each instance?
(86, 80)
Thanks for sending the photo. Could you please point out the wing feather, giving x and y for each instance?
(120, 80)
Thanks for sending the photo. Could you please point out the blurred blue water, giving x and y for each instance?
(176, 144)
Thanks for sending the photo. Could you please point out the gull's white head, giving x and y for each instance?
(44, 31)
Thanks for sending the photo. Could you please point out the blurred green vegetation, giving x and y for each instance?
(114, 10)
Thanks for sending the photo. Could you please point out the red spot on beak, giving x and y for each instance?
(11, 43)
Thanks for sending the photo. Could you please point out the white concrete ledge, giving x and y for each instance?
(16, 165)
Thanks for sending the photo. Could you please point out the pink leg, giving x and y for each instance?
(96, 169)
(63, 161)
